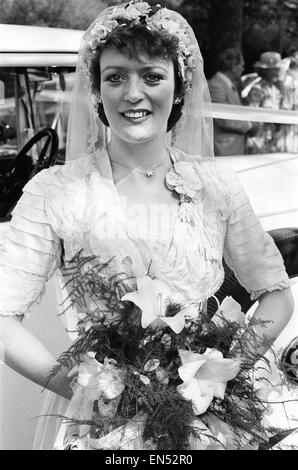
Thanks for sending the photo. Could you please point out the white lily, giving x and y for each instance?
(152, 297)
(229, 310)
(205, 376)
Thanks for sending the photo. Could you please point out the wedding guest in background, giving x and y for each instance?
(266, 94)
(288, 139)
(229, 135)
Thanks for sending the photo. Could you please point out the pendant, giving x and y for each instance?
(149, 173)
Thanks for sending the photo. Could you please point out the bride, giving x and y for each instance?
(142, 190)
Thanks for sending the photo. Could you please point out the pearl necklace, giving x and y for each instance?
(147, 173)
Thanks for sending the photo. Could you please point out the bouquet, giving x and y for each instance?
(155, 373)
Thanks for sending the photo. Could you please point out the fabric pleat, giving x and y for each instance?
(249, 250)
(29, 256)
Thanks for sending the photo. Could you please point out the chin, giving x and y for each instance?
(139, 137)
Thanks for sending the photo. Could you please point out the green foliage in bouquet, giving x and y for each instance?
(148, 361)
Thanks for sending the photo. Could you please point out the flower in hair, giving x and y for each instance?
(134, 10)
(99, 32)
(171, 26)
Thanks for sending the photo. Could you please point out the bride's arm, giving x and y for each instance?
(250, 252)
(24, 353)
(275, 308)
(30, 255)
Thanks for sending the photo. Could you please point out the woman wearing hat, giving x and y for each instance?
(266, 94)
(288, 141)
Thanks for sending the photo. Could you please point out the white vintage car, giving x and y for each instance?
(36, 76)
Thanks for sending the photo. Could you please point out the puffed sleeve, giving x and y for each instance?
(249, 250)
(30, 254)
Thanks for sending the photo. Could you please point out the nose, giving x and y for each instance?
(133, 91)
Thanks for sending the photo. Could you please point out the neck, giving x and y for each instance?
(138, 155)
(228, 74)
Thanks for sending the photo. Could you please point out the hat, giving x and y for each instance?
(269, 60)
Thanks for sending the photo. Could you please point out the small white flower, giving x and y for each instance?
(151, 365)
(139, 9)
(166, 340)
(184, 178)
(162, 376)
(143, 378)
(229, 310)
(119, 12)
(100, 379)
(171, 26)
(99, 31)
(188, 77)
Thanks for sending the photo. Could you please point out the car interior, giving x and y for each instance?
(33, 125)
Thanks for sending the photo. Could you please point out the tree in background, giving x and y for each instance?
(54, 13)
(269, 25)
(172, 4)
(225, 29)
(196, 12)
(76, 14)
(254, 25)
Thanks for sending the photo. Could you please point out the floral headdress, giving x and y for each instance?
(154, 18)
(193, 133)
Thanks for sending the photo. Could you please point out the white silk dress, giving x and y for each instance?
(74, 207)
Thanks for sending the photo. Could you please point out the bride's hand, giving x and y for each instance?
(74, 371)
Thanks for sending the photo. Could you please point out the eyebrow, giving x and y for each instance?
(143, 69)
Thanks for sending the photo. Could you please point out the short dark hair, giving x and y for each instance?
(136, 40)
(294, 62)
(229, 58)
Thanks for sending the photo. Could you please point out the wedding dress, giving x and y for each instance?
(74, 207)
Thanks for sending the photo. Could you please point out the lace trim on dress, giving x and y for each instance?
(14, 314)
(280, 286)
(22, 292)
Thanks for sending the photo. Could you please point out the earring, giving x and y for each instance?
(177, 100)
(100, 100)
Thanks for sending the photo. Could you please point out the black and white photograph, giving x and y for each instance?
(149, 227)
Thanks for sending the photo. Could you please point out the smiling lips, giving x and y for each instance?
(136, 115)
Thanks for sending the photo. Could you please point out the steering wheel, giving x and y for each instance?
(22, 169)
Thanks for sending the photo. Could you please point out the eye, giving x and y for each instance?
(114, 78)
(153, 77)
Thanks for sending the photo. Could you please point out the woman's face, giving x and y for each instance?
(272, 75)
(137, 95)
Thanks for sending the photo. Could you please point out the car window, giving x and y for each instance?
(8, 132)
(32, 99)
(52, 103)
